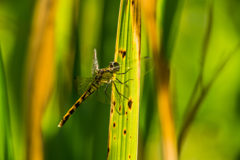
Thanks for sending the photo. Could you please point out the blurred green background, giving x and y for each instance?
(41, 55)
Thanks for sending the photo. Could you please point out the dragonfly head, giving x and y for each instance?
(114, 66)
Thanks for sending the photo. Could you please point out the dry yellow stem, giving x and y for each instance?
(162, 73)
(40, 73)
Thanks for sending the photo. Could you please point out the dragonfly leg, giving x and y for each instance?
(118, 91)
(124, 72)
(105, 91)
(123, 82)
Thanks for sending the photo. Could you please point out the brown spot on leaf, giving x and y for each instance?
(126, 112)
(123, 54)
(114, 124)
(132, 2)
(108, 151)
(111, 109)
(129, 156)
(130, 104)
(120, 52)
(120, 108)
(125, 132)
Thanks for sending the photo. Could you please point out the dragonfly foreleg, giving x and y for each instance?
(123, 82)
(105, 91)
(119, 92)
(124, 72)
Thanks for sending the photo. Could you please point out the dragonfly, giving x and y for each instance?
(100, 77)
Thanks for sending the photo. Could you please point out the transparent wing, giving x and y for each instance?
(121, 94)
(81, 84)
(104, 93)
(146, 64)
(95, 66)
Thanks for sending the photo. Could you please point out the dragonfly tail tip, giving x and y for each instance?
(59, 126)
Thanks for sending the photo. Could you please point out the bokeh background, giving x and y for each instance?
(45, 44)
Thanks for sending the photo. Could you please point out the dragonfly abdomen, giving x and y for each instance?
(93, 87)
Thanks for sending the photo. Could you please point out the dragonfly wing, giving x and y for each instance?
(95, 66)
(146, 64)
(104, 93)
(82, 84)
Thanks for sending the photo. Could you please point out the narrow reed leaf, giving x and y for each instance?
(124, 113)
(192, 107)
(6, 151)
(171, 22)
(196, 100)
(40, 74)
(158, 41)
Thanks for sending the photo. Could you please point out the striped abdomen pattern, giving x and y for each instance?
(93, 87)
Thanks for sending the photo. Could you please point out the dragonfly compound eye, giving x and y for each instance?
(115, 64)
(111, 64)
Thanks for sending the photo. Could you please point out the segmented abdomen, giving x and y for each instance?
(94, 86)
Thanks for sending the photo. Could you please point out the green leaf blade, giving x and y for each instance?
(6, 151)
(124, 116)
